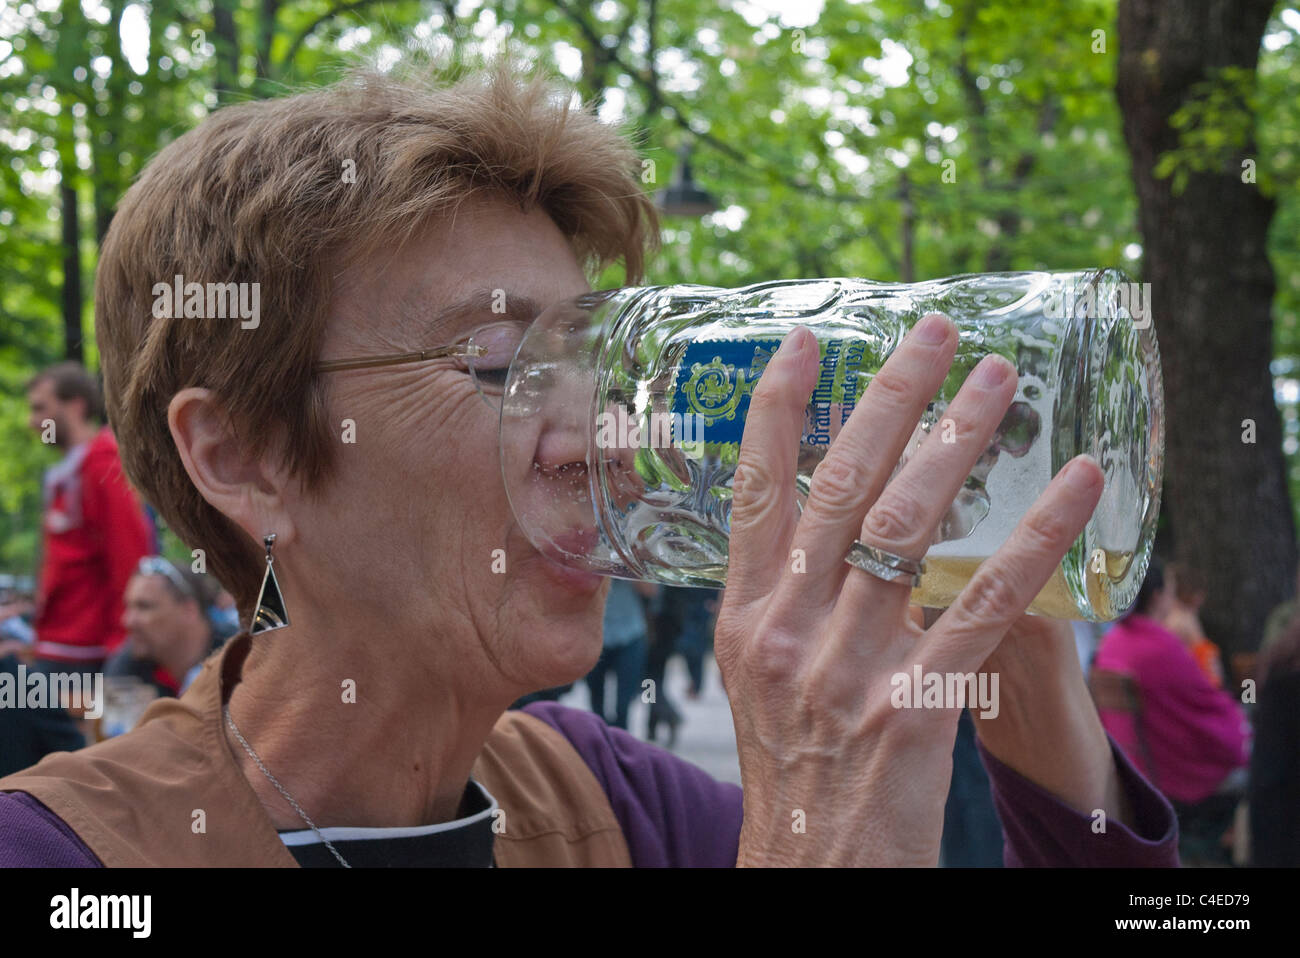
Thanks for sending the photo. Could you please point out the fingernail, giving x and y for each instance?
(932, 330)
(793, 346)
(1078, 477)
(989, 372)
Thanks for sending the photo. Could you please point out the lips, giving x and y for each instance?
(575, 542)
(565, 552)
(573, 580)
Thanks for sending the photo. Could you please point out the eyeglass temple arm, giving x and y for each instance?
(330, 365)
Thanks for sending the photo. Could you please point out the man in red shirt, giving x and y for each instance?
(95, 532)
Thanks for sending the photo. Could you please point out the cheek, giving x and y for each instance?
(427, 472)
(463, 482)
(413, 448)
(420, 501)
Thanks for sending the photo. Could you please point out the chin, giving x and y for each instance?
(557, 649)
(557, 634)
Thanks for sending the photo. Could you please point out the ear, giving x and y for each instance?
(79, 407)
(196, 610)
(246, 489)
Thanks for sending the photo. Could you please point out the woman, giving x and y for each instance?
(1188, 735)
(307, 437)
(1196, 732)
(1186, 595)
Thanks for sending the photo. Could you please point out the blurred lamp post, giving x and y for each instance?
(683, 197)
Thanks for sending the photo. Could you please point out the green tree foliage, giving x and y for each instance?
(894, 140)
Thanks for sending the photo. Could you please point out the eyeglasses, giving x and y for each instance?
(157, 565)
(485, 354)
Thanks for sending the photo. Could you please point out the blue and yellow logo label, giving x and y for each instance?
(715, 381)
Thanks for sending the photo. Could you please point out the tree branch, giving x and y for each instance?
(315, 25)
(266, 36)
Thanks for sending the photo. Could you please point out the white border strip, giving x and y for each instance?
(344, 833)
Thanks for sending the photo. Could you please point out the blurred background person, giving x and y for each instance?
(667, 611)
(1087, 637)
(29, 734)
(1186, 588)
(972, 833)
(695, 641)
(624, 650)
(1280, 618)
(682, 620)
(223, 614)
(16, 611)
(169, 630)
(1275, 758)
(1196, 736)
(95, 531)
(26, 734)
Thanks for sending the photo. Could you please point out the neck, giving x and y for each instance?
(355, 731)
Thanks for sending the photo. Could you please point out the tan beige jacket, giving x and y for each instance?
(133, 799)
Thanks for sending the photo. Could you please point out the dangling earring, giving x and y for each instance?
(270, 613)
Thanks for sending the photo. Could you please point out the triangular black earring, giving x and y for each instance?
(270, 613)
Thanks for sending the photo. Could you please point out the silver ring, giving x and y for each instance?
(885, 565)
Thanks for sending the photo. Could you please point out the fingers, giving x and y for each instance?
(903, 519)
(763, 511)
(1012, 577)
(860, 461)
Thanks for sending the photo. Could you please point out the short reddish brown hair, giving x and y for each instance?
(70, 380)
(1189, 584)
(258, 194)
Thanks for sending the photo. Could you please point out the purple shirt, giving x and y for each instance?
(674, 814)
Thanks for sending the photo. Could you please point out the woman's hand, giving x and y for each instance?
(833, 774)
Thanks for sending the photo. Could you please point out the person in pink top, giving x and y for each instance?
(1197, 734)
(1197, 737)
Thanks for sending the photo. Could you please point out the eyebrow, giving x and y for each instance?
(513, 306)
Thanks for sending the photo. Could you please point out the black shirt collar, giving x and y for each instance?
(465, 842)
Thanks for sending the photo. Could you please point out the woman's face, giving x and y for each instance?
(414, 531)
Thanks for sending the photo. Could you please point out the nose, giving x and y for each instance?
(547, 457)
(564, 454)
(573, 441)
(564, 440)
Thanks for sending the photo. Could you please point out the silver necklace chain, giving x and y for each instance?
(281, 789)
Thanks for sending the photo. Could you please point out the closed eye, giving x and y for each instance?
(494, 379)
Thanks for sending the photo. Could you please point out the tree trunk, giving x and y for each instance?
(265, 38)
(104, 142)
(226, 41)
(1205, 255)
(908, 270)
(72, 333)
